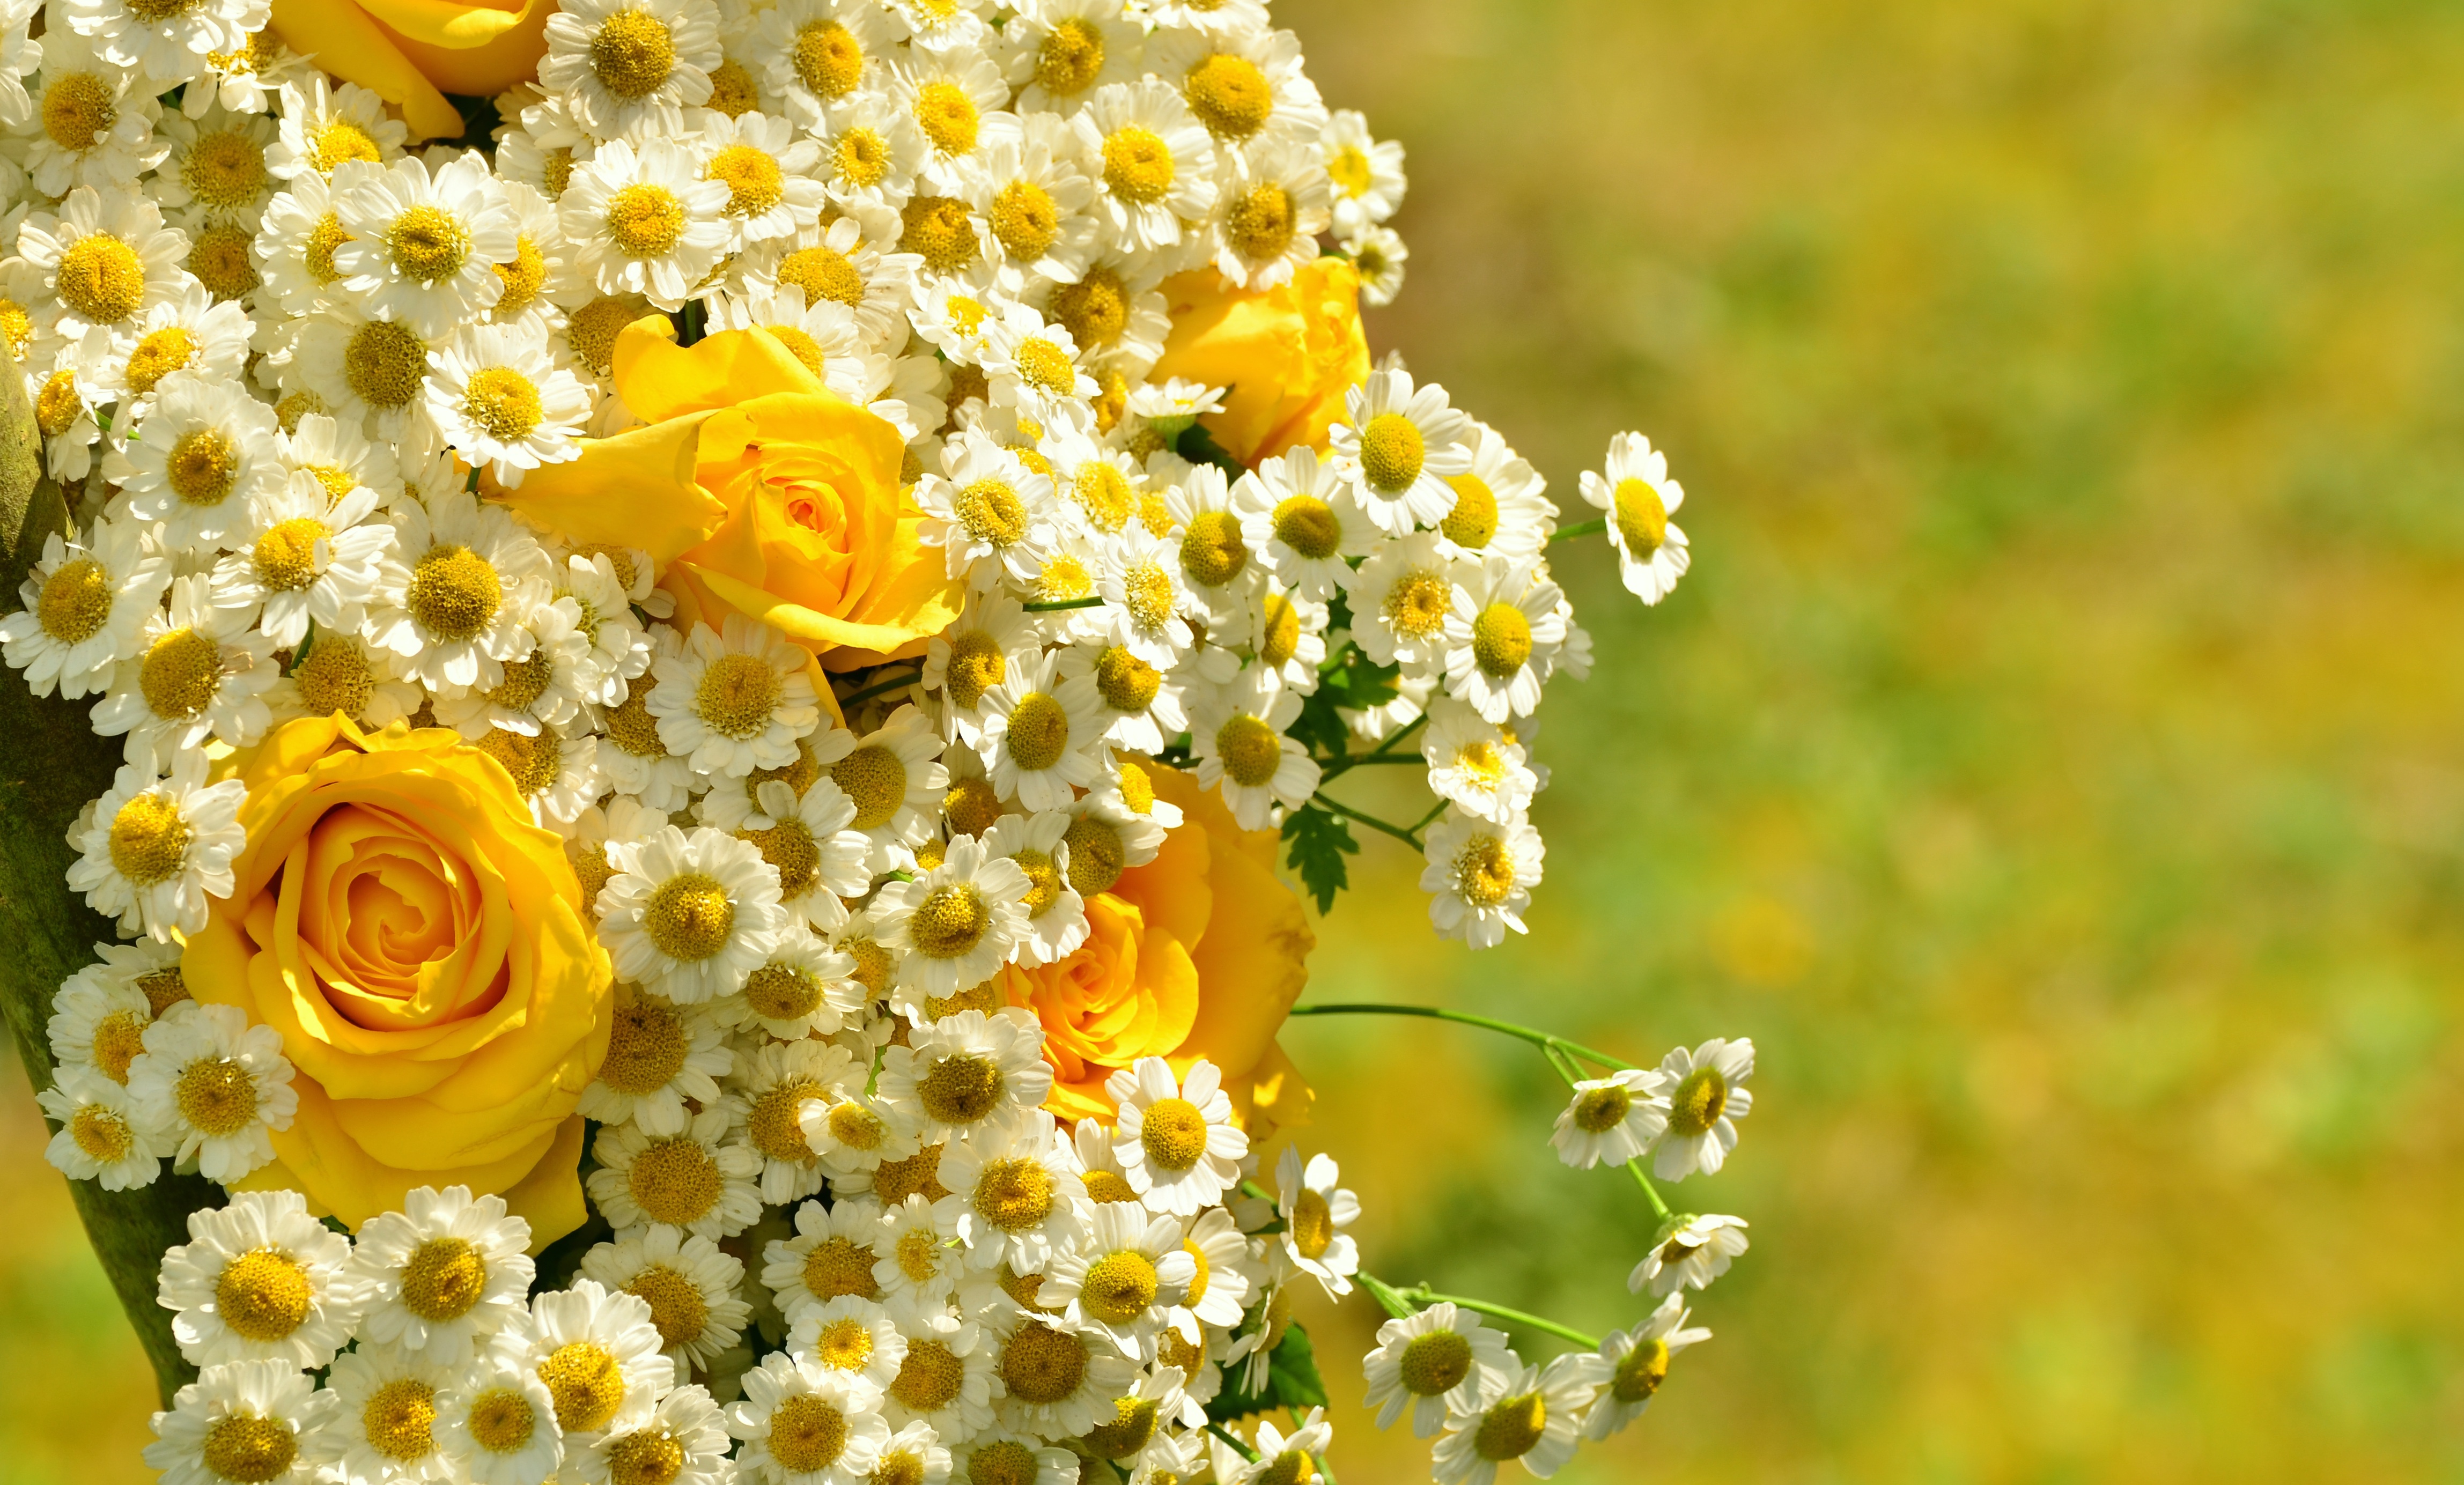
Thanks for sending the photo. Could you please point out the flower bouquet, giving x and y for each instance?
(674, 659)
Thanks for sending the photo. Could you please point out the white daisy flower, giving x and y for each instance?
(98, 120)
(189, 332)
(697, 1180)
(621, 819)
(1144, 597)
(634, 757)
(690, 1285)
(1174, 1138)
(1480, 876)
(1640, 497)
(1499, 509)
(1472, 763)
(894, 776)
(1688, 1254)
(296, 238)
(849, 1335)
(216, 170)
(1502, 632)
(153, 849)
(422, 246)
(441, 1276)
(1707, 1095)
(1056, 913)
(340, 672)
(1042, 737)
(383, 1429)
(599, 1357)
(830, 1257)
(101, 1137)
(914, 1456)
(819, 860)
(1303, 522)
(1435, 1363)
(1105, 838)
(557, 776)
(946, 1380)
(215, 1084)
(1220, 1291)
(824, 55)
(771, 174)
(1536, 1418)
(629, 69)
(1244, 84)
(496, 397)
(1366, 172)
(1398, 446)
(645, 221)
(369, 372)
(805, 1424)
(100, 1014)
(971, 657)
(1400, 600)
(341, 458)
(967, 1070)
(166, 47)
(1139, 708)
(1285, 635)
(242, 1421)
(1292, 1456)
(496, 1422)
(1274, 204)
(1121, 1279)
(776, 1082)
(1150, 159)
(304, 558)
(1317, 1211)
(20, 55)
(659, 1054)
(841, 263)
(1034, 199)
(619, 646)
(204, 451)
(1379, 255)
(1061, 1377)
(1022, 1202)
(68, 404)
(942, 25)
(1238, 735)
(855, 1135)
(1032, 366)
(1057, 53)
(921, 1260)
(260, 1280)
(1029, 1461)
(86, 608)
(541, 692)
(804, 989)
(538, 269)
(683, 1441)
(1612, 1119)
(874, 152)
(990, 513)
(689, 916)
(1137, 1439)
(955, 96)
(957, 923)
(734, 700)
(454, 600)
(1637, 1364)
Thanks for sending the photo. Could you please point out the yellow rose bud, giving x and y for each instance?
(414, 52)
(1287, 354)
(425, 951)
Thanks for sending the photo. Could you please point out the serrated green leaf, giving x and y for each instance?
(1318, 843)
(1293, 1380)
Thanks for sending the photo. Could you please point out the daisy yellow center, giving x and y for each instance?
(1511, 1428)
(78, 108)
(823, 274)
(400, 1419)
(58, 405)
(1473, 521)
(917, 1175)
(738, 695)
(1039, 732)
(262, 1295)
(968, 384)
(429, 244)
(1229, 95)
(874, 778)
(918, 1253)
(1041, 1365)
(158, 354)
(651, 1456)
(164, 988)
(837, 1267)
(1484, 872)
(1146, 592)
(503, 1421)
(586, 1383)
(1640, 1371)
(1025, 219)
(1391, 452)
(898, 1467)
(1348, 169)
(1308, 526)
(872, 964)
(525, 682)
(591, 332)
(101, 1136)
(1291, 1466)
(180, 675)
(502, 404)
(632, 54)
(1261, 223)
(445, 1279)
(248, 1449)
(1042, 881)
(966, 317)
(976, 665)
(646, 1047)
(938, 229)
(971, 806)
(1599, 1110)
(16, 328)
(591, 869)
(385, 363)
(1131, 1428)
(1103, 491)
(285, 557)
(317, 251)
(533, 759)
(1119, 1287)
(1211, 550)
(1070, 57)
(689, 917)
(522, 279)
(117, 1039)
(844, 1345)
(1501, 639)
(860, 157)
(202, 466)
(1416, 605)
(782, 993)
(830, 60)
(1022, 1287)
(806, 1433)
(1003, 1462)
(731, 91)
(675, 1181)
(1097, 856)
(632, 727)
(1312, 1224)
(929, 1378)
(949, 921)
(338, 140)
(453, 592)
(1435, 1362)
(991, 512)
(645, 220)
(556, 171)
(219, 258)
(1642, 516)
(1045, 368)
(334, 677)
(1095, 310)
(678, 1309)
(1698, 1103)
(755, 183)
(1173, 1134)
(1281, 638)
(771, 1123)
(336, 480)
(1137, 166)
(75, 600)
(961, 1089)
(948, 116)
(217, 1095)
(1252, 752)
(1126, 683)
(1014, 1193)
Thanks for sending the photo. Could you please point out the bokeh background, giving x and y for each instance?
(2051, 762)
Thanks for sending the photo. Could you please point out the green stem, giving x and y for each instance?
(1531, 1035)
(1395, 737)
(1052, 605)
(881, 688)
(1593, 527)
(1371, 821)
(1421, 1296)
(1658, 1206)
(1233, 1439)
(1435, 810)
(1330, 768)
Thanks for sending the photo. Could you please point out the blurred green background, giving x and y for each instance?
(2051, 762)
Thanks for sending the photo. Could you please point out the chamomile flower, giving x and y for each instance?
(805, 1424)
(69, 403)
(659, 1054)
(734, 700)
(1474, 764)
(955, 924)
(422, 244)
(967, 1070)
(242, 1421)
(497, 1421)
(1137, 1440)
(1024, 1460)
(1397, 446)
(688, 1283)
(341, 672)
(153, 849)
(1502, 631)
(1379, 255)
(1536, 1417)
(539, 268)
(599, 1357)
(619, 646)
(1273, 205)
(873, 152)
(645, 221)
(1688, 1254)
(215, 1085)
(1401, 597)
(304, 558)
(914, 1456)
(830, 1257)
(805, 988)
(841, 262)
(494, 394)
(1639, 497)
(260, 1280)
(1123, 1276)
(1282, 1455)
(1033, 198)
(383, 1428)
(1317, 1211)
(1435, 1363)
(1707, 1095)
(342, 459)
(541, 692)
(820, 860)
(1042, 736)
(855, 1136)
(1244, 85)
(1032, 366)
(96, 122)
(956, 98)
(1056, 913)
(101, 1137)
(166, 47)
(1061, 1376)
(945, 1380)
(920, 1262)
(972, 656)
(1150, 159)
(633, 756)
(1366, 172)
(1022, 1201)
(895, 775)
(1612, 1119)
(1139, 707)
(990, 513)
(1237, 734)
(689, 916)
(629, 69)
(696, 1181)
(295, 243)
(684, 1440)
(770, 172)
(453, 602)
(85, 609)
(1057, 53)
(189, 332)
(942, 26)
(441, 1276)
(1301, 520)
(100, 1014)
(201, 456)
(1637, 1364)
(1480, 876)
(777, 1081)
(1498, 509)
(1174, 1138)
(1287, 637)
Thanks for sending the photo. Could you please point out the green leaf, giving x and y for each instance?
(1319, 841)
(1291, 1382)
(1198, 446)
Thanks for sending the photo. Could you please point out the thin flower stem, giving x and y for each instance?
(1537, 1038)
(1435, 810)
(881, 688)
(1052, 605)
(1595, 525)
(1333, 767)
(1233, 1439)
(1395, 737)
(1420, 1297)
(1371, 821)
(1650, 1191)
(1300, 1421)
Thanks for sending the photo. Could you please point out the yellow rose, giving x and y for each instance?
(1197, 954)
(1288, 354)
(761, 493)
(424, 951)
(414, 52)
